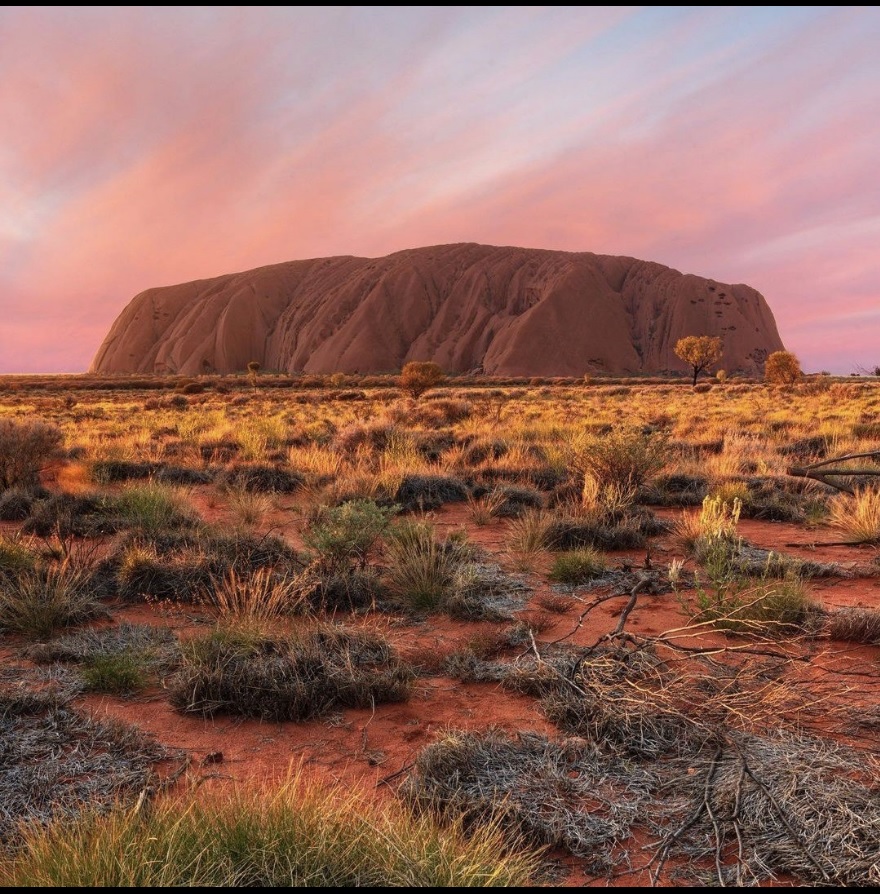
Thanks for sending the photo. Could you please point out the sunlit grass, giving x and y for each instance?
(298, 834)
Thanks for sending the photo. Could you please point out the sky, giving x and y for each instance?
(149, 146)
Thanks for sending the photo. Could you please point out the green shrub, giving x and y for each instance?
(731, 600)
(579, 566)
(345, 535)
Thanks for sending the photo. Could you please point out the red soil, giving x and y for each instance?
(371, 749)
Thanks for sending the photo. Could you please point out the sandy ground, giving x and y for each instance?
(372, 749)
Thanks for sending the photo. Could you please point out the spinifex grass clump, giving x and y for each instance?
(534, 789)
(248, 508)
(115, 674)
(153, 508)
(261, 479)
(73, 515)
(58, 762)
(856, 625)
(427, 574)
(578, 566)
(38, 601)
(527, 536)
(298, 834)
(182, 565)
(256, 599)
(120, 660)
(322, 667)
(141, 573)
(858, 515)
(714, 528)
(15, 557)
(421, 493)
(422, 568)
(17, 502)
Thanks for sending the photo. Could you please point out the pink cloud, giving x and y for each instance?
(142, 156)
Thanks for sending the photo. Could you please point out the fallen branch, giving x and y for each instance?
(819, 472)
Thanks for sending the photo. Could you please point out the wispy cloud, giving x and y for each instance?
(149, 146)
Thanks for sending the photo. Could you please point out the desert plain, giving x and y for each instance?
(553, 631)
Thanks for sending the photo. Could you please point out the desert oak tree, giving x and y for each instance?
(699, 352)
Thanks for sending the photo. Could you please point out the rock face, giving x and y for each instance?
(505, 311)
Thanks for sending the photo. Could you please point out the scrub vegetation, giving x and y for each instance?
(673, 585)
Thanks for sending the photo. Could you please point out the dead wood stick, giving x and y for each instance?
(873, 454)
(820, 472)
(596, 602)
(662, 852)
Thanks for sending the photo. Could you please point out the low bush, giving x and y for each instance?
(25, 447)
(625, 457)
(323, 667)
(260, 478)
(345, 535)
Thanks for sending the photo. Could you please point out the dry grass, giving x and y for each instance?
(321, 667)
(704, 732)
(292, 834)
(857, 516)
(256, 600)
(59, 762)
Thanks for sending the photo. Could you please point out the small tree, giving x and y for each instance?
(782, 368)
(699, 352)
(418, 376)
(254, 370)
